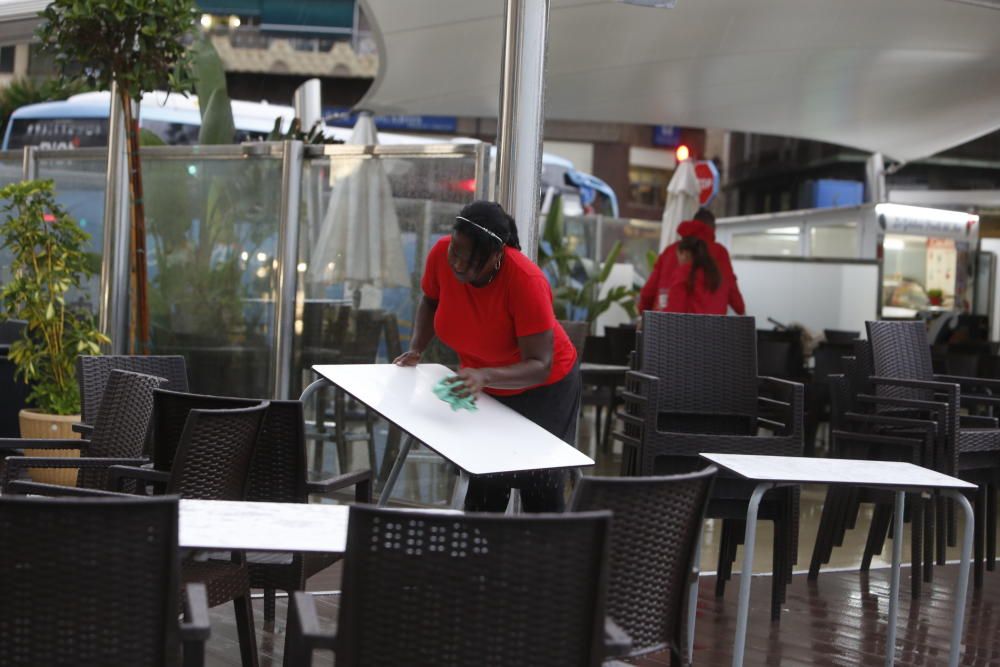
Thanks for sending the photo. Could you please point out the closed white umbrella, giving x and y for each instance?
(359, 241)
(682, 201)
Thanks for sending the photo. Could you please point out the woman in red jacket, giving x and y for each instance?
(493, 306)
(698, 285)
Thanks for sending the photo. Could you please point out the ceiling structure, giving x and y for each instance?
(908, 78)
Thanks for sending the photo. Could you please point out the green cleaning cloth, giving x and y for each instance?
(444, 391)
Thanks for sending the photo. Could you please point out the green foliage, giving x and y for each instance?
(21, 92)
(576, 298)
(137, 43)
(47, 260)
(314, 136)
(217, 125)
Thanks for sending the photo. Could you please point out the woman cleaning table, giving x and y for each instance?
(493, 306)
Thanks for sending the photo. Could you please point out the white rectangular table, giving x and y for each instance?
(234, 525)
(490, 440)
(774, 471)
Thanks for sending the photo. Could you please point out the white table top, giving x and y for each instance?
(226, 525)
(803, 470)
(493, 439)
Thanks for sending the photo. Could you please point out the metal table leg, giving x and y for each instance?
(693, 596)
(962, 587)
(461, 488)
(743, 607)
(897, 556)
(397, 467)
(314, 387)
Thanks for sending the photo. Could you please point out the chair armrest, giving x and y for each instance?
(975, 421)
(933, 385)
(303, 634)
(84, 429)
(966, 381)
(117, 474)
(20, 444)
(23, 487)
(617, 643)
(194, 628)
(16, 464)
(360, 480)
(790, 406)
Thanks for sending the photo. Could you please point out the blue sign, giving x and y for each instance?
(666, 135)
(443, 124)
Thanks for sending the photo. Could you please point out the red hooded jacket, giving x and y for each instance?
(662, 290)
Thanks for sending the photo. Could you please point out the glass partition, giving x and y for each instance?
(775, 242)
(835, 241)
(401, 200)
(211, 241)
(79, 186)
(10, 172)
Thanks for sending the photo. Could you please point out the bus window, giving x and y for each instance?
(172, 133)
(58, 133)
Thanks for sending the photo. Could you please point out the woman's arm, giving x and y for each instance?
(423, 332)
(533, 369)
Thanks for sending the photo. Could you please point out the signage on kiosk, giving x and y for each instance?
(708, 181)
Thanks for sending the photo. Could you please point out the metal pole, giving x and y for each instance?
(29, 164)
(113, 309)
(288, 254)
(522, 117)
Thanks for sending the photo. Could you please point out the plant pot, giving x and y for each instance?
(40, 426)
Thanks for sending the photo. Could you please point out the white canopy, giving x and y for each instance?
(908, 78)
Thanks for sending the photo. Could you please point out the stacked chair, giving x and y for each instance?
(696, 389)
(95, 583)
(118, 436)
(895, 395)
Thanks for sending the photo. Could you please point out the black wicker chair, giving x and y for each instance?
(866, 427)
(464, 590)
(118, 437)
(213, 462)
(94, 583)
(654, 540)
(697, 390)
(967, 445)
(92, 375)
(278, 473)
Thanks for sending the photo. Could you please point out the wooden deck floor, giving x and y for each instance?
(839, 621)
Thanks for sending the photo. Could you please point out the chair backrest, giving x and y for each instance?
(122, 423)
(622, 339)
(214, 454)
(92, 375)
(654, 535)
(170, 412)
(900, 350)
(11, 330)
(472, 589)
(88, 582)
(577, 333)
(707, 366)
(278, 471)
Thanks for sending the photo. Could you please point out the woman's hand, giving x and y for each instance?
(408, 358)
(468, 382)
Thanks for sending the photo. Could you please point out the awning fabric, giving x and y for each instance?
(908, 78)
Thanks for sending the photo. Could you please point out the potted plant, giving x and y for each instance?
(935, 296)
(577, 281)
(47, 261)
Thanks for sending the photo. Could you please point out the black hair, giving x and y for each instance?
(700, 259)
(706, 216)
(489, 227)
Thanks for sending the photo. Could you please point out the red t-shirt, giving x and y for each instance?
(482, 324)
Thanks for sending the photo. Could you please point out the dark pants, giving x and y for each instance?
(555, 408)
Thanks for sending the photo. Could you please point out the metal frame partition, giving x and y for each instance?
(112, 294)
